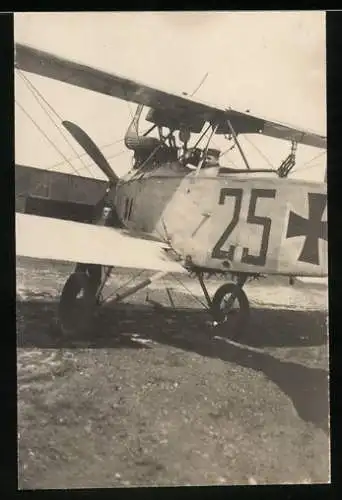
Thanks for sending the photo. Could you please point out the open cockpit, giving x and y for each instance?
(188, 143)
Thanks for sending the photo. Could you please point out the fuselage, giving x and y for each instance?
(239, 222)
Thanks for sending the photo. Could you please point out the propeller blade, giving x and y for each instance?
(93, 151)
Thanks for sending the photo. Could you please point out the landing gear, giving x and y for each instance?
(230, 310)
(81, 297)
(229, 307)
(79, 300)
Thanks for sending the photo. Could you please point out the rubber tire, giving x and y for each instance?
(78, 322)
(93, 271)
(244, 311)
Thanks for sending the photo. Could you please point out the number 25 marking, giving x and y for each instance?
(252, 218)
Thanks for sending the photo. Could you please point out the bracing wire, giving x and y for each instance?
(37, 96)
(124, 285)
(41, 183)
(35, 91)
(49, 110)
(199, 301)
(114, 155)
(268, 161)
(225, 153)
(44, 134)
(306, 165)
(132, 117)
(109, 144)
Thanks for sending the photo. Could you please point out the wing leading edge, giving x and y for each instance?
(56, 239)
(52, 66)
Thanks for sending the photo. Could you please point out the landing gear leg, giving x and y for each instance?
(80, 298)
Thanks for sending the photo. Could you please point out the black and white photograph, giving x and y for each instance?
(171, 249)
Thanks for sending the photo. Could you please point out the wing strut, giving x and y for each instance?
(232, 131)
(214, 129)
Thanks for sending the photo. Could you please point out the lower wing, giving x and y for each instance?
(56, 239)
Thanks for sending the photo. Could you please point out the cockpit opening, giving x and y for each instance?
(189, 148)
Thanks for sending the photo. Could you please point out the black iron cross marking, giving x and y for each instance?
(313, 228)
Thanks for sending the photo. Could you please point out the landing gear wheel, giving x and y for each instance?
(77, 304)
(230, 310)
(93, 271)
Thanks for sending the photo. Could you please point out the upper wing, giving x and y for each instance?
(56, 239)
(183, 109)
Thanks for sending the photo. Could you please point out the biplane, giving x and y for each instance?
(178, 210)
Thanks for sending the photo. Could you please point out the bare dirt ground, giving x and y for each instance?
(153, 398)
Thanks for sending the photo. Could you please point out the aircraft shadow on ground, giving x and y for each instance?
(306, 387)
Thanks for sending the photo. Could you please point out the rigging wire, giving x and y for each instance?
(114, 155)
(34, 89)
(202, 303)
(226, 151)
(37, 95)
(306, 165)
(44, 134)
(124, 285)
(42, 183)
(120, 153)
(268, 161)
(107, 145)
(132, 115)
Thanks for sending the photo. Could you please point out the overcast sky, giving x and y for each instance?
(272, 63)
